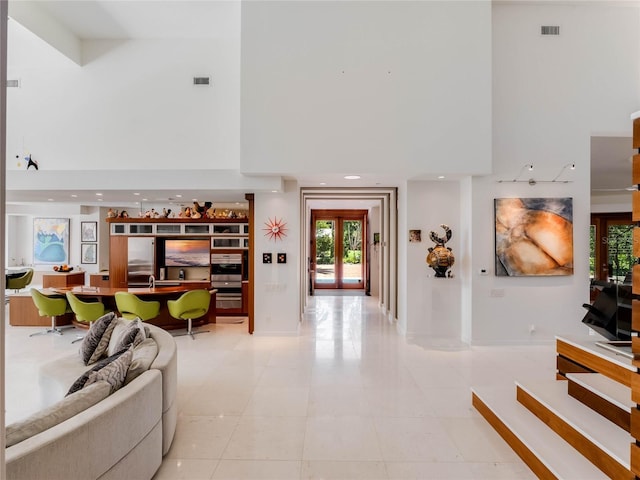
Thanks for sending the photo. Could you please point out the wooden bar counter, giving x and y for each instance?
(22, 311)
(62, 279)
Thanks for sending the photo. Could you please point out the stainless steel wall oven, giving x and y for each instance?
(226, 277)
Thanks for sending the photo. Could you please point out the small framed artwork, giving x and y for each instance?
(282, 258)
(415, 236)
(266, 258)
(89, 252)
(89, 231)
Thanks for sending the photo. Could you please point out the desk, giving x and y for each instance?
(164, 320)
(62, 279)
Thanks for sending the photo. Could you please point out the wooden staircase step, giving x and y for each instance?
(603, 395)
(603, 443)
(546, 454)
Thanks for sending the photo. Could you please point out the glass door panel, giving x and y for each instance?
(325, 240)
(620, 251)
(352, 266)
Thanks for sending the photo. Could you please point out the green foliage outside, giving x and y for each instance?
(325, 242)
(352, 241)
(620, 247)
(592, 251)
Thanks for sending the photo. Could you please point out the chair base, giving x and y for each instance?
(190, 331)
(56, 330)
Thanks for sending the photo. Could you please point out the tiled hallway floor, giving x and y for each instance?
(346, 399)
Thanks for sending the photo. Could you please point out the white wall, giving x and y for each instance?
(375, 252)
(133, 105)
(550, 95)
(366, 86)
(433, 304)
(276, 286)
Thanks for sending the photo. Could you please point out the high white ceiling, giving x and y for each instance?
(145, 19)
(116, 19)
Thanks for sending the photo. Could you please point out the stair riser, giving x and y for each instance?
(527, 456)
(613, 413)
(609, 465)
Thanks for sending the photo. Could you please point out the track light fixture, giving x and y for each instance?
(527, 166)
(564, 167)
(531, 181)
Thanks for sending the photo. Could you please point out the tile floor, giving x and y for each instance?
(346, 399)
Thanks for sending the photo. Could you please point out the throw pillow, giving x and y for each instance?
(57, 413)
(121, 326)
(82, 379)
(132, 335)
(143, 356)
(103, 344)
(114, 373)
(92, 338)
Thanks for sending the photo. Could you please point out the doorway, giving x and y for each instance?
(338, 249)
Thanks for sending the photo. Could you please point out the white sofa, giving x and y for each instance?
(123, 436)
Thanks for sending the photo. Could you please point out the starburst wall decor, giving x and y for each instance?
(276, 229)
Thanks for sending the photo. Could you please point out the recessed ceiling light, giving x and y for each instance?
(73, 195)
(440, 177)
(352, 177)
(237, 203)
(100, 199)
(179, 196)
(50, 199)
(144, 199)
(323, 183)
(99, 194)
(136, 193)
(274, 191)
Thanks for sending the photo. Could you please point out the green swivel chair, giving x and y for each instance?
(50, 307)
(85, 312)
(131, 307)
(190, 305)
(17, 283)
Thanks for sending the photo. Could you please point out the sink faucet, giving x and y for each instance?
(152, 281)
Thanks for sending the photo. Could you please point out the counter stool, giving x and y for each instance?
(86, 312)
(131, 307)
(190, 305)
(50, 307)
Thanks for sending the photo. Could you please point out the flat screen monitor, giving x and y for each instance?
(187, 253)
(603, 312)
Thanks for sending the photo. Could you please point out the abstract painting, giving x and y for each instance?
(534, 236)
(50, 241)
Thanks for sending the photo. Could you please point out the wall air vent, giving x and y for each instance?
(201, 80)
(13, 83)
(550, 30)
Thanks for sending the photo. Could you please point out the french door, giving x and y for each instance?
(338, 248)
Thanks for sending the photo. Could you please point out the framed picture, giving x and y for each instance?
(89, 253)
(50, 241)
(534, 236)
(266, 258)
(415, 236)
(89, 231)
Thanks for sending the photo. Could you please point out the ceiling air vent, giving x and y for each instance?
(550, 30)
(201, 80)
(13, 83)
